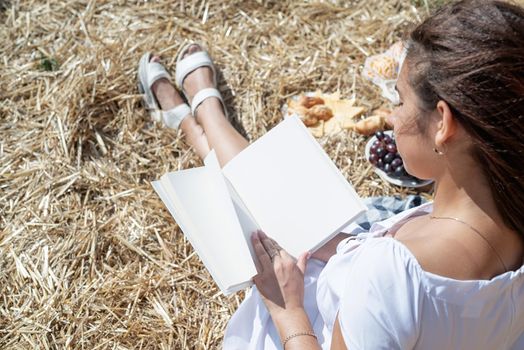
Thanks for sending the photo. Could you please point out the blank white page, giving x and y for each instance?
(292, 188)
(200, 202)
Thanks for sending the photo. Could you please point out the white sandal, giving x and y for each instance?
(148, 73)
(188, 64)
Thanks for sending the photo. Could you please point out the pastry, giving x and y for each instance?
(320, 112)
(325, 114)
(310, 101)
(369, 125)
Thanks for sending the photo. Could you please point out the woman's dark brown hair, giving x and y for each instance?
(471, 55)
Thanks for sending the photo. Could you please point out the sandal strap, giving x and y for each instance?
(148, 73)
(156, 71)
(205, 94)
(173, 117)
(190, 63)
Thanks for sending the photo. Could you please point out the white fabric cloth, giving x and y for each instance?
(384, 300)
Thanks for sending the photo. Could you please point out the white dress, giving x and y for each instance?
(384, 300)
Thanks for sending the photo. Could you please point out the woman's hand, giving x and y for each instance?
(280, 278)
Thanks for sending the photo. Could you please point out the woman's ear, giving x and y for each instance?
(446, 126)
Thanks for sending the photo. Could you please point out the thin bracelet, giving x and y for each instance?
(298, 334)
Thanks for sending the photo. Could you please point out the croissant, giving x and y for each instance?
(310, 101)
(320, 112)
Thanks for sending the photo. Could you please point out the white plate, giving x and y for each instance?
(384, 176)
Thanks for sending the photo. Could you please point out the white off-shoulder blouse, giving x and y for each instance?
(385, 300)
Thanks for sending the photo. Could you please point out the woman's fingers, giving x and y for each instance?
(272, 248)
(266, 241)
(275, 243)
(280, 278)
(269, 250)
(260, 251)
(302, 261)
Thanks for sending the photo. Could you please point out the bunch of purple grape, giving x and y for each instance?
(383, 154)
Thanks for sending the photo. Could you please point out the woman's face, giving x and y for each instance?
(414, 145)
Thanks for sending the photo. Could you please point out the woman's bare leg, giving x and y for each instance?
(168, 98)
(221, 135)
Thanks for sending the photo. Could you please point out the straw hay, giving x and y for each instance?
(89, 256)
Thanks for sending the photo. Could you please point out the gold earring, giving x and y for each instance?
(440, 153)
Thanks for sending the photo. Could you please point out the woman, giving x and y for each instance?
(445, 275)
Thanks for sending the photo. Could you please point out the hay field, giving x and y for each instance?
(89, 256)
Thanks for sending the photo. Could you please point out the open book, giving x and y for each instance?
(283, 184)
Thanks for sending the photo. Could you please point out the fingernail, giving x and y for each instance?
(308, 255)
(254, 234)
(262, 234)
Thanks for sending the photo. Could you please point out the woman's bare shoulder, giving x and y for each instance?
(450, 252)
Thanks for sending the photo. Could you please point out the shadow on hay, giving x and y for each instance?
(230, 100)
(4, 5)
(95, 128)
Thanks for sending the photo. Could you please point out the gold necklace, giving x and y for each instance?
(477, 231)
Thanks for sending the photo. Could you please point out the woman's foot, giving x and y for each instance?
(199, 79)
(221, 135)
(168, 98)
